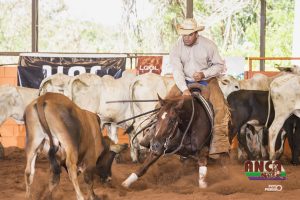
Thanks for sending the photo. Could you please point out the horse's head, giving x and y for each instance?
(167, 134)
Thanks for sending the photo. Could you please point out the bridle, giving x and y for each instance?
(175, 129)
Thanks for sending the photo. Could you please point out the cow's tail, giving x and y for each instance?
(269, 110)
(40, 105)
(132, 97)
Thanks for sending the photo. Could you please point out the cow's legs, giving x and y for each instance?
(34, 141)
(113, 133)
(242, 155)
(273, 133)
(71, 163)
(279, 152)
(88, 178)
(263, 146)
(29, 171)
(152, 158)
(32, 146)
(134, 153)
(294, 139)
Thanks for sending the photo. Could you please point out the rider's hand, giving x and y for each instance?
(198, 76)
(186, 93)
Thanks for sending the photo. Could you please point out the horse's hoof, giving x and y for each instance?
(131, 179)
(202, 184)
(125, 185)
(27, 195)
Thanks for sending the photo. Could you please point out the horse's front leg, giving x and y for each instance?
(152, 158)
(202, 162)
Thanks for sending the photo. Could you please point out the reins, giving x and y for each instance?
(148, 125)
(185, 132)
(125, 120)
(129, 101)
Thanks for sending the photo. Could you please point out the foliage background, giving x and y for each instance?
(232, 24)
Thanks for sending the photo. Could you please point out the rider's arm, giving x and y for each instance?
(177, 66)
(215, 63)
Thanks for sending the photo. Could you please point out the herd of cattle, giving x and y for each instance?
(264, 110)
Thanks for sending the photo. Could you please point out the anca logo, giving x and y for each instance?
(264, 170)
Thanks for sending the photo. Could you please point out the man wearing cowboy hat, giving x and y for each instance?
(195, 58)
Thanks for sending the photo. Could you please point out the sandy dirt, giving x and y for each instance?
(168, 179)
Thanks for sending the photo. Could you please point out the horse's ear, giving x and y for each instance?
(161, 101)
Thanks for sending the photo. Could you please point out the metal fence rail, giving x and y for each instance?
(131, 58)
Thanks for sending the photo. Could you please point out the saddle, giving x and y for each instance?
(203, 90)
(201, 93)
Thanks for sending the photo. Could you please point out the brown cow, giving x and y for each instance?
(71, 136)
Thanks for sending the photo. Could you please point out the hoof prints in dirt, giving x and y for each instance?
(169, 178)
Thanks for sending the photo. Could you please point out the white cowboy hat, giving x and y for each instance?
(188, 26)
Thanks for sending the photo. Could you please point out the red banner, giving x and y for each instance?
(149, 64)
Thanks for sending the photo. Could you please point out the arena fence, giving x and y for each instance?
(12, 134)
(272, 70)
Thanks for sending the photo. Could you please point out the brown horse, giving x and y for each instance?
(183, 127)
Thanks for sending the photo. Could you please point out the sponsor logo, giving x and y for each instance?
(273, 188)
(72, 71)
(264, 170)
(149, 64)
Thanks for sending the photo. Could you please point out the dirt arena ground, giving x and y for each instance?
(168, 179)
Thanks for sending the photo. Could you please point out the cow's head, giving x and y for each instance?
(228, 84)
(11, 104)
(253, 141)
(250, 139)
(105, 160)
(56, 83)
(296, 69)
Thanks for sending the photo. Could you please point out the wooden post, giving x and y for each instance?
(296, 39)
(189, 8)
(34, 26)
(262, 33)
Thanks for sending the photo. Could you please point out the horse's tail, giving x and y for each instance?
(40, 106)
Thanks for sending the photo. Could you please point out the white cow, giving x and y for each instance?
(129, 87)
(230, 84)
(285, 95)
(55, 83)
(13, 101)
(92, 93)
(257, 82)
(146, 87)
(83, 90)
(87, 91)
(295, 69)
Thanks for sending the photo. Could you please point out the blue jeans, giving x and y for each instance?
(200, 82)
